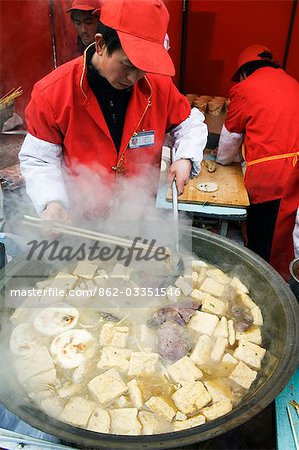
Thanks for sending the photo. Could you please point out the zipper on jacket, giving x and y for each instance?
(120, 168)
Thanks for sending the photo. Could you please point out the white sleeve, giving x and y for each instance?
(41, 167)
(190, 138)
(229, 147)
(296, 235)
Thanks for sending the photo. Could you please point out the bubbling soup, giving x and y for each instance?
(186, 359)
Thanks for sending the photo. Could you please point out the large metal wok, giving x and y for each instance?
(281, 339)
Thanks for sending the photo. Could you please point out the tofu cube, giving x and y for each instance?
(243, 375)
(201, 353)
(120, 337)
(135, 394)
(77, 411)
(231, 332)
(38, 382)
(229, 359)
(189, 423)
(20, 315)
(149, 422)
(85, 269)
(203, 323)
(218, 409)
(194, 278)
(180, 416)
(250, 353)
(197, 265)
(219, 390)
(120, 402)
(52, 406)
(124, 421)
(252, 334)
(147, 337)
(184, 370)
(191, 397)
(106, 334)
(173, 293)
(100, 281)
(202, 274)
(101, 273)
(219, 276)
(219, 349)
(161, 407)
(212, 305)
(221, 329)
(64, 280)
(107, 387)
(196, 294)
(68, 390)
(212, 287)
(120, 271)
(257, 316)
(143, 364)
(80, 372)
(99, 421)
(114, 357)
(247, 301)
(38, 362)
(239, 286)
(185, 286)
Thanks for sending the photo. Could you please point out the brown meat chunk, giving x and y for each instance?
(180, 314)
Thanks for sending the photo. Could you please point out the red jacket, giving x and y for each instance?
(264, 107)
(282, 252)
(63, 110)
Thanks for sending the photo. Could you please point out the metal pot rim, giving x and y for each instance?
(243, 412)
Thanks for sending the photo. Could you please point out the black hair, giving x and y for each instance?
(250, 67)
(74, 11)
(110, 38)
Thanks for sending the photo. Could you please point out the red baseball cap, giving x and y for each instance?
(86, 5)
(141, 26)
(251, 53)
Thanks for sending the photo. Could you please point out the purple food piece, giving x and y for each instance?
(242, 317)
(180, 314)
(174, 341)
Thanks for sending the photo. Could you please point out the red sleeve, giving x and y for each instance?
(236, 118)
(40, 118)
(174, 107)
(178, 108)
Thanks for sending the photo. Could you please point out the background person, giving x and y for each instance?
(86, 113)
(85, 22)
(285, 246)
(261, 113)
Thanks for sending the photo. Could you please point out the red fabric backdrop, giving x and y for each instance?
(217, 32)
(26, 53)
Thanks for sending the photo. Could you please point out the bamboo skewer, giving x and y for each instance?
(89, 232)
(293, 428)
(81, 232)
(9, 97)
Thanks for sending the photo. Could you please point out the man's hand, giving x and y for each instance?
(180, 170)
(54, 211)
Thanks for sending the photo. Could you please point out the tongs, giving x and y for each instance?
(180, 266)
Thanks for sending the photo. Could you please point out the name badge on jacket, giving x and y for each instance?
(142, 139)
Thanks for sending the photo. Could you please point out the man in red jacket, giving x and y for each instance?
(261, 113)
(104, 116)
